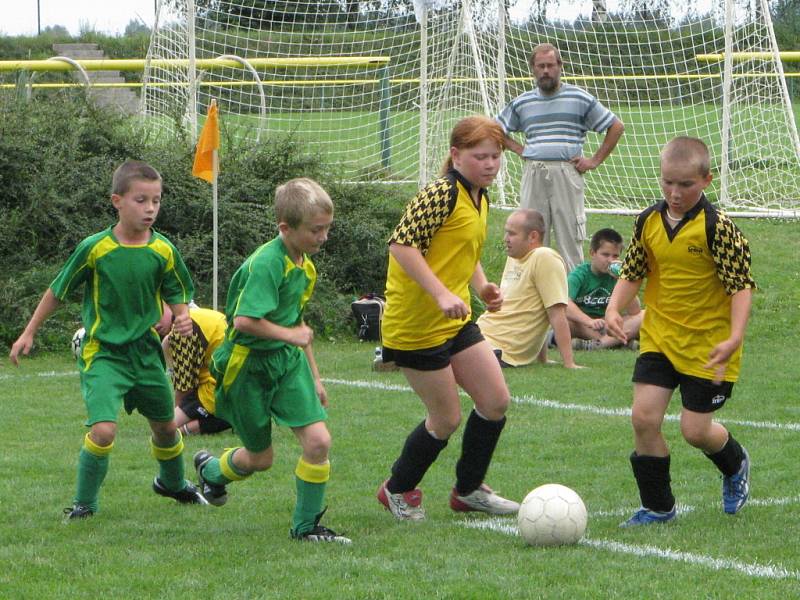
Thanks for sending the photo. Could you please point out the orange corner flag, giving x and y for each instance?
(206, 144)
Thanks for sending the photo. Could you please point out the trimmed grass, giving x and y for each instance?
(141, 545)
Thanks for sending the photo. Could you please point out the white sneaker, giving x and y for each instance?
(406, 506)
(483, 500)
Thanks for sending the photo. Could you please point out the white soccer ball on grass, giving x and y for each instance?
(552, 515)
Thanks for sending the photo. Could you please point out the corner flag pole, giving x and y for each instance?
(206, 167)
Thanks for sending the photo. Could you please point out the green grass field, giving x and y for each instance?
(564, 426)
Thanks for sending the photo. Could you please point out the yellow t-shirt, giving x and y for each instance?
(444, 224)
(191, 355)
(692, 271)
(530, 285)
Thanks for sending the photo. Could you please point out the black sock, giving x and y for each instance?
(729, 459)
(477, 447)
(419, 452)
(652, 477)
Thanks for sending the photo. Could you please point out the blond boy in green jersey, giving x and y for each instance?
(698, 296)
(265, 369)
(126, 271)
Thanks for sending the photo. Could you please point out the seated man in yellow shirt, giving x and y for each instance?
(534, 286)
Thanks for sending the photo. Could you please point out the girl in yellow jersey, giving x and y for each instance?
(434, 255)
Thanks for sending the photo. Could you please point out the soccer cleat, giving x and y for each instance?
(736, 488)
(188, 495)
(645, 516)
(406, 506)
(77, 511)
(483, 500)
(320, 533)
(214, 493)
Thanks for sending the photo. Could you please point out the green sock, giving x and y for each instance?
(310, 480)
(92, 471)
(170, 464)
(213, 474)
(310, 498)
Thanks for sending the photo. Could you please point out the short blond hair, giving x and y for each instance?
(688, 150)
(542, 49)
(299, 199)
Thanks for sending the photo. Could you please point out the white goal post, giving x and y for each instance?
(710, 69)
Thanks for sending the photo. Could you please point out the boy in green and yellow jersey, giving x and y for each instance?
(126, 271)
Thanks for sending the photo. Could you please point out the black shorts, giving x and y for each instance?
(438, 357)
(208, 422)
(697, 394)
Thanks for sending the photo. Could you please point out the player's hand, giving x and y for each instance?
(322, 393)
(598, 325)
(614, 326)
(23, 346)
(452, 306)
(302, 335)
(492, 296)
(718, 359)
(583, 164)
(182, 325)
(164, 324)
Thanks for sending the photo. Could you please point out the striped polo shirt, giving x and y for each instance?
(555, 126)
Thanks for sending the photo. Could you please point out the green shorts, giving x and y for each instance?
(255, 387)
(132, 374)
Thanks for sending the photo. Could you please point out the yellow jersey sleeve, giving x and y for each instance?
(731, 253)
(425, 214)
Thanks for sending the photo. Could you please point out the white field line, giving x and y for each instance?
(530, 400)
(587, 408)
(508, 527)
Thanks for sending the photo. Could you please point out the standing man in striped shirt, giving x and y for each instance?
(555, 117)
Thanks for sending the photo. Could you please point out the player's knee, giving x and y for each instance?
(317, 445)
(644, 424)
(695, 436)
(103, 434)
(260, 461)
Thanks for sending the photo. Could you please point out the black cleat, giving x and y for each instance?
(320, 533)
(188, 495)
(77, 511)
(215, 494)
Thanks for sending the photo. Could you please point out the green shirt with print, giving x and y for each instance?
(589, 290)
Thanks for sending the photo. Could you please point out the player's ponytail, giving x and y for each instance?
(470, 132)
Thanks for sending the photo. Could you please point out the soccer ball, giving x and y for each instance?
(551, 515)
(75, 344)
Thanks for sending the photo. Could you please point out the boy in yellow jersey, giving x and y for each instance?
(126, 271)
(265, 367)
(188, 357)
(698, 297)
(434, 256)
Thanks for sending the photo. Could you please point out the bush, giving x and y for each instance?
(57, 155)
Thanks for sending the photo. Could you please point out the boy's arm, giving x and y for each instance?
(182, 322)
(634, 307)
(321, 391)
(574, 313)
(301, 335)
(489, 292)
(24, 343)
(624, 293)
(740, 314)
(557, 315)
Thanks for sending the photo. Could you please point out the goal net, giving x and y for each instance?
(373, 87)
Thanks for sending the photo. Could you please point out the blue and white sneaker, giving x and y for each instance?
(645, 516)
(736, 488)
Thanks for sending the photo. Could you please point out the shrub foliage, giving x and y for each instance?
(57, 155)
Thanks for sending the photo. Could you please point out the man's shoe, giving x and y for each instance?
(188, 495)
(633, 345)
(645, 516)
(406, 506)
(483, 500)
(320, 533)
(214, 493)
(736, 488)
(77, 511)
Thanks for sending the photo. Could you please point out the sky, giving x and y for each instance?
(18, 17)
